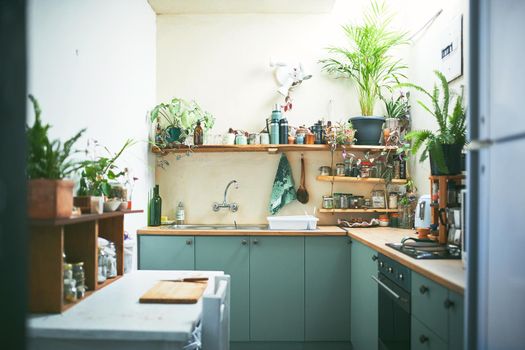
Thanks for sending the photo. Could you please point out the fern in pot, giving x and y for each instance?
(49, 164)
(443, 147)
(368, 64)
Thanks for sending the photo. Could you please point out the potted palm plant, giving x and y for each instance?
(177, 119)
(444, 146)
(368, 63)
(49, 163)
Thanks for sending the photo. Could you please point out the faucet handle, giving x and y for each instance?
(216, 206)
(234, 207)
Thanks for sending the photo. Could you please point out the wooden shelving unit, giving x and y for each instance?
(371, 210)
(77, 238)
(442, 182)
(368, 180)
(266, 148)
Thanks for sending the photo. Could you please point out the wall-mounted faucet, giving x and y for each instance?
(233, 207)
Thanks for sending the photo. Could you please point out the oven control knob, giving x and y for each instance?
(400, 276)
(391, 270)
(381, 264)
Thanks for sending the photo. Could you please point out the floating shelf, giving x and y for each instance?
(342, 211)
(369, 180)
(265, 148)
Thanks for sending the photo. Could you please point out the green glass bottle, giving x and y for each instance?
(155, 208)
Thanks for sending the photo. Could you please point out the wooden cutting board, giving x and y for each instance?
(170, 292)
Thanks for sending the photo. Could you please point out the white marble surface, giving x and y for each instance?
(114, 313)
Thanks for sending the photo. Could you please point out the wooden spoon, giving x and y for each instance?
(302, 193)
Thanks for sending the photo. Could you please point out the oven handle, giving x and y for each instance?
(381, 284)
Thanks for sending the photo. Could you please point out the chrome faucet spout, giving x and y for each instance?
(227, 187)
(233, 207)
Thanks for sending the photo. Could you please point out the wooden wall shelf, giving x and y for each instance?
(77, 238)
(371, 210)
(266, 148)
(368, 180)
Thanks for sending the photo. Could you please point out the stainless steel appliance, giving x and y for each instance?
(393, 283)
(426, 249)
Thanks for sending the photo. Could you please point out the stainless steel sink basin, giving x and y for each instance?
(217, 227)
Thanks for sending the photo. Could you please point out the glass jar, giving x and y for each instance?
(378, 199)
(101, 275)
(394, 220)
(70, 291)
(360, 202)
(365, 169)
(80, 279)
(111, 269)
(337, 200)
(368, 203)
(348, 167)
(340, 169)
(397, 169)
(353, 202)
(343, 201)
(328, 202)
(392, 200)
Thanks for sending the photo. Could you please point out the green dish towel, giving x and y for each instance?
(283, 191)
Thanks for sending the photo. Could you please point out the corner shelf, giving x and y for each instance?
(371, 210)
(266, 148)
(369, 180)
(77, 237)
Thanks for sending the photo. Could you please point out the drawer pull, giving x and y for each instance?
(244, 242)
(189, 242)
(423, 339)
(423, 289)
(374, 257)
(255, 242)
(448, 304)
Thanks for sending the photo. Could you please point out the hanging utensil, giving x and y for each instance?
(302, 193)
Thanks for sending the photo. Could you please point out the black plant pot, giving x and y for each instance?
(453, 160)
(368, 130)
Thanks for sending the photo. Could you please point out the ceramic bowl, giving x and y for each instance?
(111, 205)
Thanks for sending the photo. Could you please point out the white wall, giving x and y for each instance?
(423, 59)
(92, 64)
(221, 61)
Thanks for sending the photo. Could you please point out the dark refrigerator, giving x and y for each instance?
(495, 296)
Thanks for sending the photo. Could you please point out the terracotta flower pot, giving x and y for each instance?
(50, 199)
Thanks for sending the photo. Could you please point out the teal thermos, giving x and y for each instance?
(274, 126)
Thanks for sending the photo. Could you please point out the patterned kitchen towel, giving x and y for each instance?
(283, 191)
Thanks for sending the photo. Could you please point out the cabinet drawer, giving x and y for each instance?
(423, 338)
(428, 299)
(166, 253)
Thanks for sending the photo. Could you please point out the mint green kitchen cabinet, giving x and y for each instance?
(276, 288)
(363, 297)
(428, 300)
(423, 338)
(327, 288)
(166, 252)
(455, 321)
(231, 255)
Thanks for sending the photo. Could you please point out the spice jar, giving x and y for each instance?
(348, 167)
(343, 201)
(325, 170)
(70, 291)
(360, 202)
(340, 169)
(80, 279)
(353, 202)
(378, 199)
(328, 202)
(337, 200)
(392, 200)
(365, 169)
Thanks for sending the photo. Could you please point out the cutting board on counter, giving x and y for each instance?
(171, 292)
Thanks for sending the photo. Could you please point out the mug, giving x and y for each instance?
(265, 138)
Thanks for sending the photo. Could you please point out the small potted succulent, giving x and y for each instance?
(177, 119)
(367, 62)
(397, 119)
(95, 181)
(443, 147)
(49, 163)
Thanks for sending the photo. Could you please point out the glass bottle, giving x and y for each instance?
(198, 134)
(155, 208)
(179, 214)
(80, 279)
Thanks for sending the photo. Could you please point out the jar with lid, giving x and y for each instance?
(397, 169)
(111, 261)
(348, 166)
(394, 220)
(368, 203)
(102, 264)
(378, 199)
(337, 200)
(70, 291)
(328, 202)
(365, 169)
(340, 169)
(343, 201)
(392, 200)
(353, 202)
(360, 202)
(80, 279)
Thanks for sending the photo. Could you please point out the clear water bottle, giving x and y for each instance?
(179, 214)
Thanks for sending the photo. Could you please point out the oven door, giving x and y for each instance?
(394, 315)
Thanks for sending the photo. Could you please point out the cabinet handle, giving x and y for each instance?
(244, 242)
(189, 242)
(255, 241)
(448, 304)
(423, 289)
(423, 339)
(349, 241)
(374, 257)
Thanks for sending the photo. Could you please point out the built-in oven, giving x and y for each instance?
(393, 283)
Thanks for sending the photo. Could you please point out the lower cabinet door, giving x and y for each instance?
(277, 288)
(455, 321)
(327, 288)
(422, 338)
(231, 255)
(363, 297)
(166, 253)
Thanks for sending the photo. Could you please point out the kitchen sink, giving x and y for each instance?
(217, 227)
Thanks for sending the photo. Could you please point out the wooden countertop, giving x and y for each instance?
(449, 273)
(163, 230)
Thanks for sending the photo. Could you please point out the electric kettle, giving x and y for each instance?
(422, 219)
